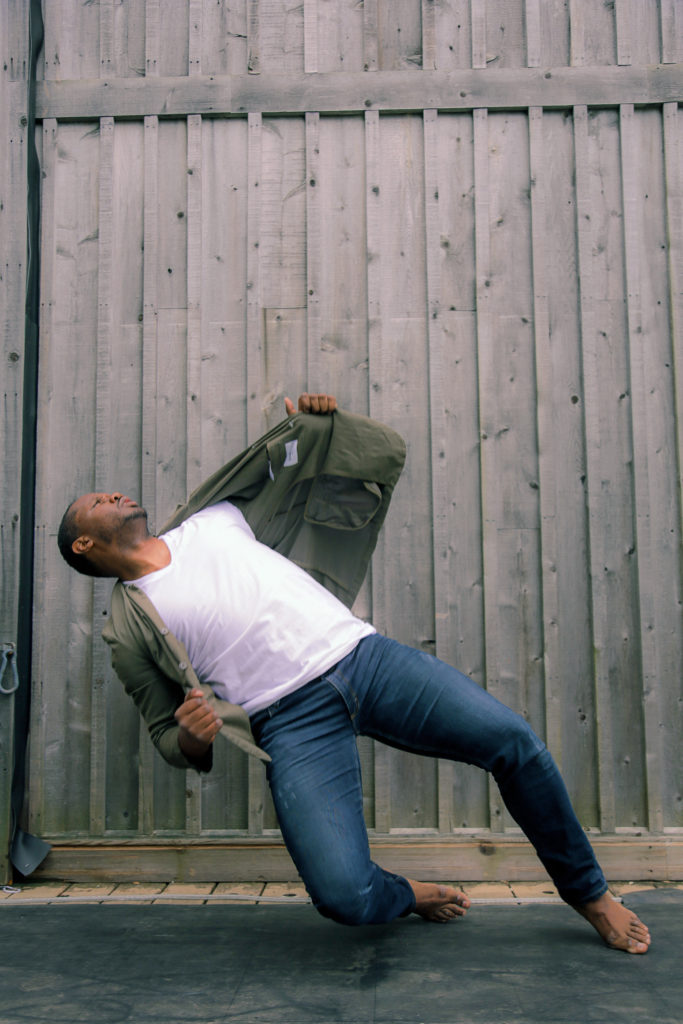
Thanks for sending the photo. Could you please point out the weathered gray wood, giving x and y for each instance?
(103, 469)
(532, 21)
(67, 394)
(505, 33)
(255, 321)
(370, 36)
(545, 388)
(478, 8)
(499, 281)
(223, 37)
(357, 91)
(281, 35)
(657, 534)
(671, 31)
(13, 249)
(453, 30)
(339, 30)
(473, 859)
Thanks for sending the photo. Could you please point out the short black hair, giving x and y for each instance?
(69, 532)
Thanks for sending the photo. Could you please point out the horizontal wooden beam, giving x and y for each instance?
(496, 858)
(353, 92)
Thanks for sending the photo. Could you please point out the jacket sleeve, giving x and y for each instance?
(156, 697)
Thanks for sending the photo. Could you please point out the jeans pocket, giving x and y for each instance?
(341, 685)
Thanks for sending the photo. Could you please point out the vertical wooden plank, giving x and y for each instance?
(673, 179)
(123, 453)
(130, 35)
(255, 381)
(505, 33)
(224, 289)
(577, 34)
(152, 37)
(454, 415)
(370, 35)
(401, 398)
(478, 8)
(510, 468)
(642, 486)
(310, 36)
(400, 35)
(554, 16)
(545, 403)
(282, 194)
(584, 213)
(337, 234)
(255, 323)
(194, 300)
(103, 473)
(671, 20)
(281, 36)
(532, 21)
(429, 35)
(314, 255)
(149, 394)
(195, 37)
(562, 451)
(13, 249)
(486, 384)
(673, 175)
(622, 13)
(224, 31)
(67, 401)
(44, 597)
(173, 36)
(253, 37)
(453, 33)
(193, 457)
(339, 42)
(439, 442)
(72, 40)
(382, 775)
(222, 396)
(609, 476)
(107, 58)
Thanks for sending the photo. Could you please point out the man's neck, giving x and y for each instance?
(148, 556)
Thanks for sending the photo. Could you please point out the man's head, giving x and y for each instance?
(97, 531)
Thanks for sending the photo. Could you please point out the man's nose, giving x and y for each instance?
(115, 497)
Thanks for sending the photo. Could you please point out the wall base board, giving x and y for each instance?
(489, 858)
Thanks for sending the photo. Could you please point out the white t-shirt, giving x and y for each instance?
(255, 625)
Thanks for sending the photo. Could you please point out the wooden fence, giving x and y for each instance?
(465, 218)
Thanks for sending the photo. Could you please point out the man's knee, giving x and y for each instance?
(346, 905)
(518, 745)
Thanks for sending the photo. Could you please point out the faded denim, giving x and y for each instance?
(415, 702)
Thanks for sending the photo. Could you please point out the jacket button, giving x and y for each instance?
(164, 631)
(182, 665)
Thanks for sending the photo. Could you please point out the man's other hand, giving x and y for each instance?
(199, 724)
(319, 404)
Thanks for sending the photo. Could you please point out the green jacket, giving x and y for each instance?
(314, 488)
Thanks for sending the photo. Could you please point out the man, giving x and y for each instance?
(213, 630)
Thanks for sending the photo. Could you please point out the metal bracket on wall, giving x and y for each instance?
(8, 666)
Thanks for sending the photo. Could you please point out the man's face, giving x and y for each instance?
(105, 516)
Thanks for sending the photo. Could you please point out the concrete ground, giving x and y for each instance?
(259, 954)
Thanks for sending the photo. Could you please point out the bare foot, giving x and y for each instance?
(616, 924)
(438, 902)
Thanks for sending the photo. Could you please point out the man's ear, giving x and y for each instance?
(82, 545)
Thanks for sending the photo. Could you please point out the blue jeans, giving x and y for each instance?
(415, 702)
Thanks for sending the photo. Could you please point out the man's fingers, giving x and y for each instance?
(289, 407)
(318, 404)
(197, 717)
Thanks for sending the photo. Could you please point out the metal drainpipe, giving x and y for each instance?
(28, 458)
